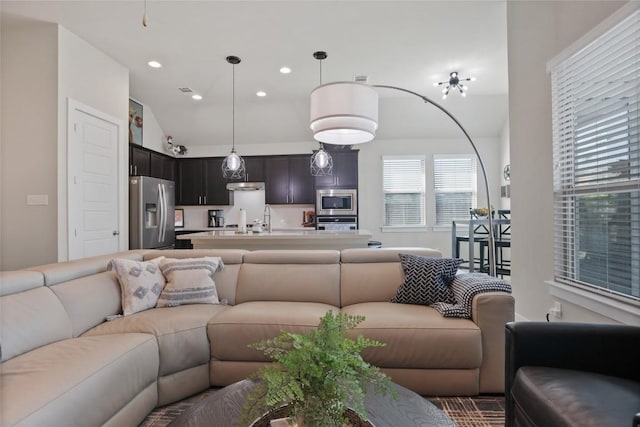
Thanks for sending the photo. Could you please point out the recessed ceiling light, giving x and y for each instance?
(261, 93)
(285, 70)
(154, 64)
(196, 97)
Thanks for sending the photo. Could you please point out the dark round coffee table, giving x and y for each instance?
(223, 408)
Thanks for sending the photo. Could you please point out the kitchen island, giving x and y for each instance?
(293, 239)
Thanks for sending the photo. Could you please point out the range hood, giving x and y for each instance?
(245, 186)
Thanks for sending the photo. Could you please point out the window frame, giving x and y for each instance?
(575, 184)
(423, 192)
(474, 188)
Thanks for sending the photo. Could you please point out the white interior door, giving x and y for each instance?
(93, 184)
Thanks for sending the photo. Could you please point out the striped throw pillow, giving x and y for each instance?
(189, 281)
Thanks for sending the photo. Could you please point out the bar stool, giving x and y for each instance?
(502, 243)
(480, 235)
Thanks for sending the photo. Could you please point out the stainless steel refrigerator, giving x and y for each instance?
(151, 213)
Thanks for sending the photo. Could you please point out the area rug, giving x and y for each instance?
(484, 411)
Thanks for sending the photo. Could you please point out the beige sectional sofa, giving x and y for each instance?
(64, 364)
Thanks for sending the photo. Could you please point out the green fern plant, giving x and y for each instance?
(318, 375)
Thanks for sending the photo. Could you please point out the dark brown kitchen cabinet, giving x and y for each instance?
(216, 192)
(145, 162)
(254, 169)
(162, 166)
(139, 161)
(200, 182)
(191, 180)
(288, 180)
(345, 171)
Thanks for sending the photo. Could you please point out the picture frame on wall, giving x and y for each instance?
(135, 122)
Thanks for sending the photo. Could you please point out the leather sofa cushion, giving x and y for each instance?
(562, 397)
(417, 337)
(180, 331)
(77, 382)
(231, 332)
(89, 300)
(20, 280)
(64, 271)
(287, 275)
(369, 275)
(31, 319)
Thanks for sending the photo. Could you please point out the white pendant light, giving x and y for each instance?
(233, 165)
(344, 113)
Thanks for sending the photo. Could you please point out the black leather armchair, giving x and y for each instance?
(572, 374)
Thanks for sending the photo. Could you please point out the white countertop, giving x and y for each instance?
(279, 239)
(276, 234)
(198, 229)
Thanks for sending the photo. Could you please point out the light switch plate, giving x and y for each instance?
(37, 199)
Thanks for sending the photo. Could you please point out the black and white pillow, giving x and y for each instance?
(426, 280)
(465, 287)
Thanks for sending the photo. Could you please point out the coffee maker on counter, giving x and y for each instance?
(216, 218)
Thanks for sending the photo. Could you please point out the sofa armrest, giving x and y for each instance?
(599, 348)
(491, 311)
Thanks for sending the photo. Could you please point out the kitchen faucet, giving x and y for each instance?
(266, 217)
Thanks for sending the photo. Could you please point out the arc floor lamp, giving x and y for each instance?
(345, 113)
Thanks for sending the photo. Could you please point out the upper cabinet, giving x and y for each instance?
(200, 182)
(288, 180)
(345, 171)
(162, 166)
(144, 162)
(254, 166)
(216, 192)
(139, 161)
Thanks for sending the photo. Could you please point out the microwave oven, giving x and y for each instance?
(334, 201)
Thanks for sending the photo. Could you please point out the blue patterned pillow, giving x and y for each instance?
(426, 280)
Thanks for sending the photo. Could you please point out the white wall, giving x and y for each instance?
(153, 137)
(90, 77)
(505, 159)
(28, 148)
(42, 66)
(371, 200)
(536, 32)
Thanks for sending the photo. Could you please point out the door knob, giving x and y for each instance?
(116, 233)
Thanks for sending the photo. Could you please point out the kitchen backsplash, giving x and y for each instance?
(253, 202)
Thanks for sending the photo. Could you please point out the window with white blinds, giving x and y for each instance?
(596, 149)
(404, 187)
(455, 186)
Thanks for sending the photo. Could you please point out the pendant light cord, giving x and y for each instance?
(233, 107)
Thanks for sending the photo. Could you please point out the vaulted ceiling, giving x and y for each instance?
(404, 43)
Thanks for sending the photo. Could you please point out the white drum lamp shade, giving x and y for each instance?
(344, 113)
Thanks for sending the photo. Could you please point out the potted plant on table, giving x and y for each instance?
(318, 376)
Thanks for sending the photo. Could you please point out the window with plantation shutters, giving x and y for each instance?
(454, 181)
(596, 149)
(404, 187)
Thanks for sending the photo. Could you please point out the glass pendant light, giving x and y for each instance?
(233, 165)
(321, 161)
